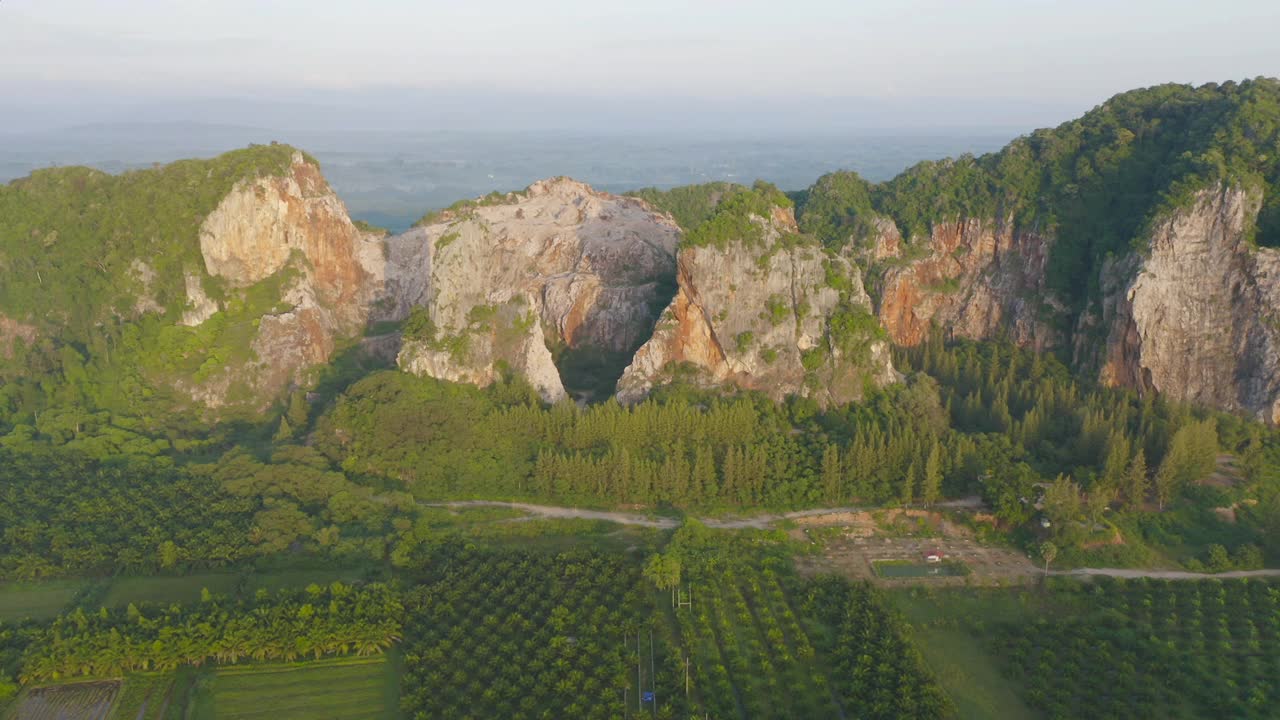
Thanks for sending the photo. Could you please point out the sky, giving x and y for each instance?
(458, 63)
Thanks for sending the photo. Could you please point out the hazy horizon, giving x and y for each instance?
(744, 66)
(411, 106)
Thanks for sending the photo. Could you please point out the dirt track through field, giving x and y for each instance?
(552, 511)
(765, 521)
(1165, 574)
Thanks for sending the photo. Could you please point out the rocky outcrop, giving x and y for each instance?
(780, 316)
(200, 306)
(976, 278)
(1196, 316)
(293, 229)
(502, 279)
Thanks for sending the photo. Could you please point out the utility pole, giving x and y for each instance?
(653, 675)
(639, 682)
(686, 677)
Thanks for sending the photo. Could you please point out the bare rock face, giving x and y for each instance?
(266, 226)
(200, 306)
(976, 279)
(1197, 317)
(559, 263)
(765, 317)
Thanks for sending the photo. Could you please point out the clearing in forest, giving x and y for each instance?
(339, 689)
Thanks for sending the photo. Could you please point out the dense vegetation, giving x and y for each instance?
(690, 205)
(1129, 649)
(977, 419)
(520, 635)
(95, 268)
(65, 513)
(763, 643)
(287, 625)
(92, 227)
(1095, 183)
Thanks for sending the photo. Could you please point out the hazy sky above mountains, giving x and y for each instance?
(813, 63)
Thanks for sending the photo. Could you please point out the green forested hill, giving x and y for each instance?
(92, 271)
(69, 237)
(1094, 182)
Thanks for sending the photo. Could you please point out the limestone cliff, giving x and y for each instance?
(1195, 315)
(779, 315)
(292, 228)
(506, 279)
(974, 278)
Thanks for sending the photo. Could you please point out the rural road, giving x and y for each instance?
(758, 522)
(1166, 574)
(762, 522)
(553, 511)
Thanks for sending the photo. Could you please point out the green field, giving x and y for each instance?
(38, 600)
(145, 696)
(169, 589)
(80, 701)
(960, 660)
(342, 689)
(300, 577)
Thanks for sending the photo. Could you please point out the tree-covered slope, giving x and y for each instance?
(1095, 183)
(199, 284)
(71, 238)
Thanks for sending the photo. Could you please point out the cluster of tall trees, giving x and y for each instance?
(288, 625)
(977, 418)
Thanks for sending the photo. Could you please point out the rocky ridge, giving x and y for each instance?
(505, 280)
(780, 316)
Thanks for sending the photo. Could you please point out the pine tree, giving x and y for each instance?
(931, 483)
(909, 485)
(831, 475)
(731, 474)
(1136, 482)
(1113, 470)
(298, 410)
(702, 485)
(284, 432)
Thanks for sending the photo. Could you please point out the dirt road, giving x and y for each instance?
(763, 522)
(1166, 574)
(552, 511)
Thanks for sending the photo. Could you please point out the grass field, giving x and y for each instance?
(145, 696)
(187, 588)
(80, 701)
(341, 689)
(38, 599)
(966, 671)
(169, 589)
(300, 577)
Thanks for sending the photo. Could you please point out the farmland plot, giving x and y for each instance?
(81, 701)
(339, 689)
